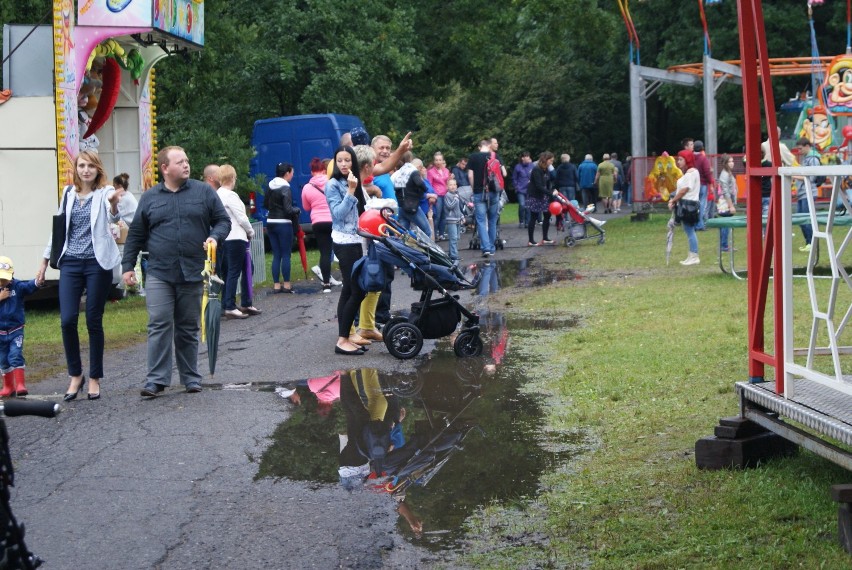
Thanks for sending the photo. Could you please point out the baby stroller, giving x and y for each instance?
(579, 225)
(470, 222)
(431, 271)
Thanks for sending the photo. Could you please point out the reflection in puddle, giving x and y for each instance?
(448, 439)
(491, 276)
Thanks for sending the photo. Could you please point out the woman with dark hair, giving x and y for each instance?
(128, 203)
(280, 225)
(346, 199)
(87, 260)
(313, 200)
(539, 192)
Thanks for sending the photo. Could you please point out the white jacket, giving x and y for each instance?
(106, 250)
(240, 225)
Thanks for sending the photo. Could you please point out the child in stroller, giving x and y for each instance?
(579, 225)
(431, 271)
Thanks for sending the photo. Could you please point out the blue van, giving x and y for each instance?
(296, 139)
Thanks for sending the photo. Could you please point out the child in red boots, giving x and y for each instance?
(12, 293)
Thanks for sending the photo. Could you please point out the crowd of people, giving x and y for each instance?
(175, 222)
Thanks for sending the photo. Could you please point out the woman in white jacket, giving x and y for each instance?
(88, 258)
(688, 187)
(233, 260)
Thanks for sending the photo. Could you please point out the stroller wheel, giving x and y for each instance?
(468, 344)
(601, 240)
(404, 340)
(569, 241)
(407, 386)
(392, 321)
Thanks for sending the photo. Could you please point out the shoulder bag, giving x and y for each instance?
(58, 233)
(686, 211)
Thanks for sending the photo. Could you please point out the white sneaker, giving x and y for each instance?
(691, 259)
(317, 271)
(805, 248)
(335, 282)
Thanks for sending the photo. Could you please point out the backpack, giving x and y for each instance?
(491, 181)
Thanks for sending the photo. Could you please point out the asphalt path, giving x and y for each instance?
(126, 482)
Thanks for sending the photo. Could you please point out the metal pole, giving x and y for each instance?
(638, 119)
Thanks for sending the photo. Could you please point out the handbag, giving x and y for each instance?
(686, 211)
(369, 271)
(57, 243)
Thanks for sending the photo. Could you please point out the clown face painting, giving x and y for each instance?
(838, 85)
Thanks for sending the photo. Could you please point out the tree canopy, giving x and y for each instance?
(548, 75)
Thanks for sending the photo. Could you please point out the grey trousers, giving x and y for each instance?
(174, 312)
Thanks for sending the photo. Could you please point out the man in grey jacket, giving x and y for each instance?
(177, 220)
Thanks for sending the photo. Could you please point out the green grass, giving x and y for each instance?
(650, 371)
(125, 324)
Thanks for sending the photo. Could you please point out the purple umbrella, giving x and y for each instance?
(249, 278)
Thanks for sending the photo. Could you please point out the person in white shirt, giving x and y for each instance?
(233, 261)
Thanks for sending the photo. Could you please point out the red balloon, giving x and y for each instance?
(847, 132)
(555, 208)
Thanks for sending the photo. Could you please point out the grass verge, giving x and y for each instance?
(651, 370)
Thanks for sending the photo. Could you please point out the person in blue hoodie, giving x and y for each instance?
(12, 293)
(587, 172)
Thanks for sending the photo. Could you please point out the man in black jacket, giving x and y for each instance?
(176, 221)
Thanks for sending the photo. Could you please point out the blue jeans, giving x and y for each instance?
(74, 276)
(281, 239)
(174, 311)
(453, 234)
(419, 219)
(570, 192)
(807, 229)
(523, 213)
(702, 207)
(689, 230)
(486, 212)
(724, 234)
(12, 350)
(234, 267)
(439, 218)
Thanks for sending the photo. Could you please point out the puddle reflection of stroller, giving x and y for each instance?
(436, 438)
(431, 271)
(469, 226)
(579, 226)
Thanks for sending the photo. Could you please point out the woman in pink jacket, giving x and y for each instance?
(437, 176)
(313, 200)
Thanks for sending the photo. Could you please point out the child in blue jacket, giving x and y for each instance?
(12, 293)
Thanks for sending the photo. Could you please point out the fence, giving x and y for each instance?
(645, 191)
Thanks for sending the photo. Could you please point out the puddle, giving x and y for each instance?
(491, 276)
(455, 436)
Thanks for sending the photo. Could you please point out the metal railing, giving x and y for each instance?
(830, 305)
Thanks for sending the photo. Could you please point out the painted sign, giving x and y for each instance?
(836, 91)
(147, 138)
(181, 18)
(67, 129)
(120, 13)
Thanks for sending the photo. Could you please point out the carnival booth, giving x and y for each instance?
(86, 82)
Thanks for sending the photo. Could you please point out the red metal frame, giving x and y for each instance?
(763, 255)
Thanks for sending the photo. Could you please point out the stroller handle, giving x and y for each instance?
(12, 408)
